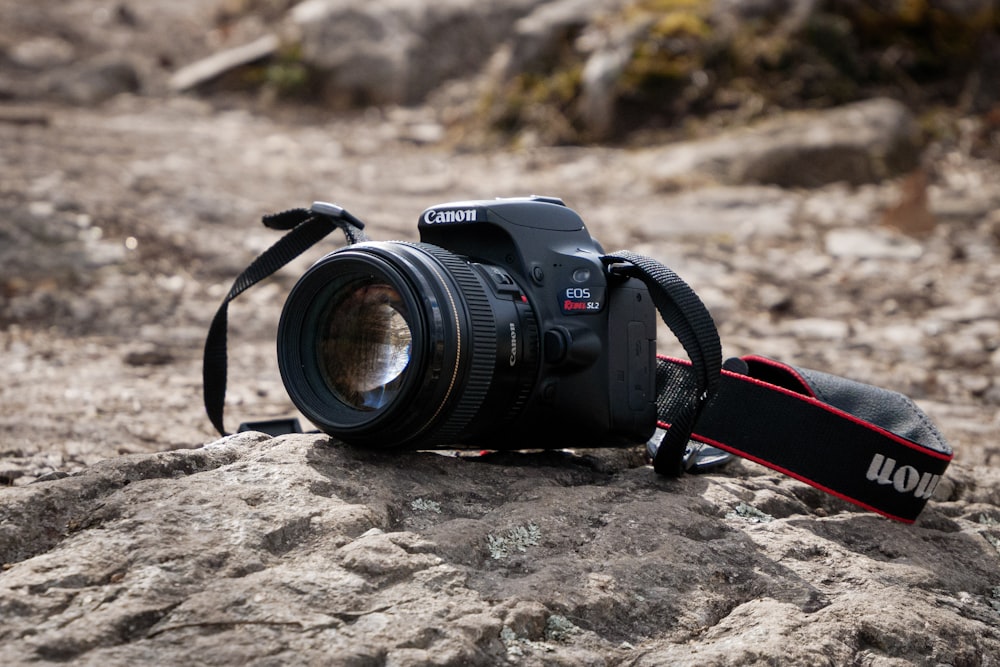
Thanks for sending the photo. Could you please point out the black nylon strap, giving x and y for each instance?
(869, 446)
(308, 226)
(692, 324)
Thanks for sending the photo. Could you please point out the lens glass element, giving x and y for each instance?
(364, 343)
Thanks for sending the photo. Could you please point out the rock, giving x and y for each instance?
(599, 81)
(538, 38)
(872, 244)
(241, 566)
(817, 328)
(148, 355)
(396, 52)
(317, 551)
(539, 46)
(25, 116)
(94, 81)
(857, 143)
(986, 84)
(602, 75)
(41, 53)
(749, 10)
(632, 67)
(911, 214)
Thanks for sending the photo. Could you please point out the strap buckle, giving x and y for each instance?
(697, 458)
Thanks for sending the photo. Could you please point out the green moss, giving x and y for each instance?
(672, 46)
(542, 102)
(926, 37)
(665, 6)
(288, 78)
(680, 23)
(683, 65)
(284, 75)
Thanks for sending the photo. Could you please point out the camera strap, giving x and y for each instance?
(307, 227)
(870, 446)
(867, 445)
(689, 320)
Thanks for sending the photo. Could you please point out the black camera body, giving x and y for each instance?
(501, 329)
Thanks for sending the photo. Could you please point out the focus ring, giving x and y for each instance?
(479, 374)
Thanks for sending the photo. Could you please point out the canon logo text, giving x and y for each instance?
(449, 216)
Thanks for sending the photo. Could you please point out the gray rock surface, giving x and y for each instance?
(865, 142)
(397, 52)
(93, 82)
(299, 550)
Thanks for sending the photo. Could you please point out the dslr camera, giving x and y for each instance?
(508, 327)
(503, 328)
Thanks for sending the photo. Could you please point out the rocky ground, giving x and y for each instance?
(124, 220)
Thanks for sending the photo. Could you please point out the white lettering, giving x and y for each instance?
(905, 479)
(928, 483)
(442, 217)
(578, 293)
(880, 469)
(513, 345)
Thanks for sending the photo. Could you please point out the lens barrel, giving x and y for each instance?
(405, 344)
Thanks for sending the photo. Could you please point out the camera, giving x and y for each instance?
(502, 328)
(507, 327)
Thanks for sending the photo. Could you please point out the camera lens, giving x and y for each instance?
(364, 344)
(394, 344)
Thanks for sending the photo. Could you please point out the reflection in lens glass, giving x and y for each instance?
(364, 344)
